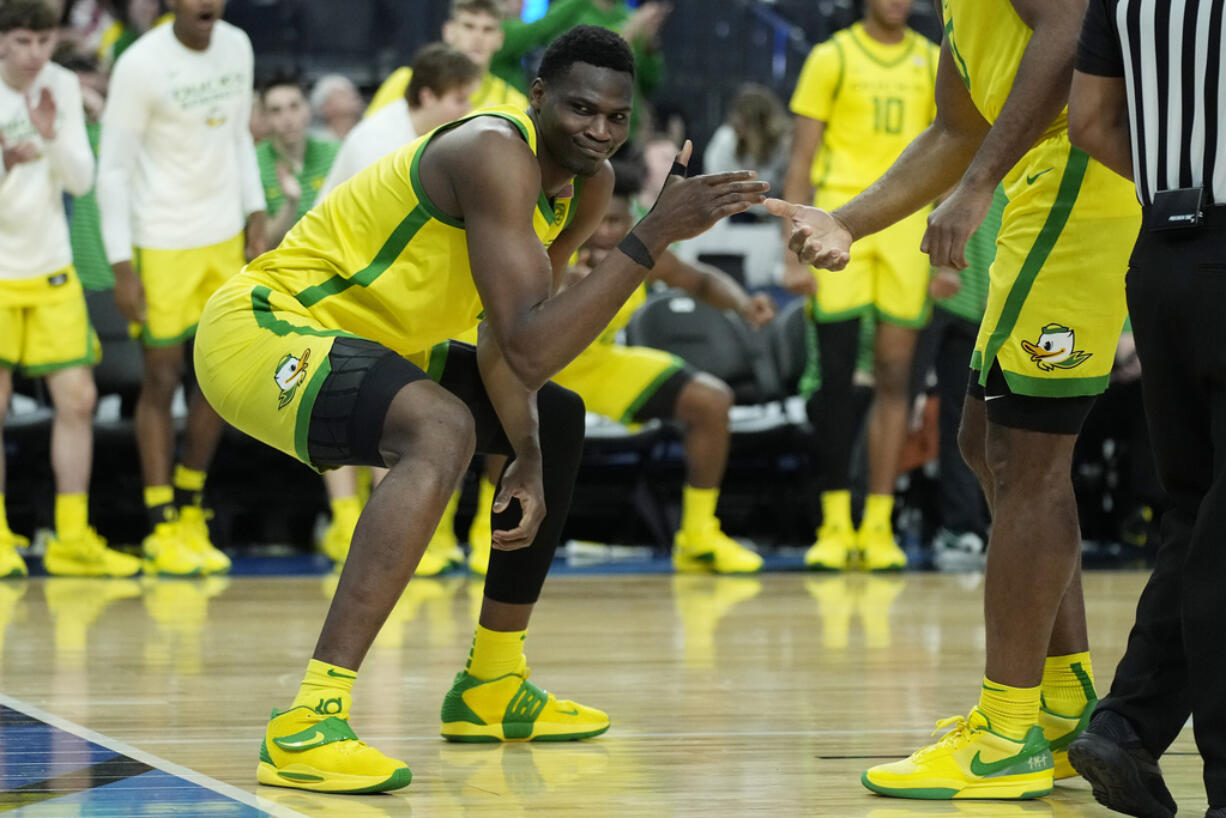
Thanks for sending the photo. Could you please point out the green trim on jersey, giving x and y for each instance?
(306, 405)
(92, 356)
(1057, 217)
(650, 390)
(1036, 387)
(266, 319)
(437, 364)
(910, 35)
(388, 253)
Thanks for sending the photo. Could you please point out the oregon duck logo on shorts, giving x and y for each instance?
(1055, 349)
(290, 374)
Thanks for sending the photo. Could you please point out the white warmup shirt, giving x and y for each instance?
(370, 140)
(177, 167)
(33, 227)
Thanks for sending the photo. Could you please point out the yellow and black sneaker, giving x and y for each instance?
(87, 555)
(833, 550)
(309, 751)
(711, 551)
(969, 761)
(1060, 731)
(510, 708)
(194, 530)
(11, 563)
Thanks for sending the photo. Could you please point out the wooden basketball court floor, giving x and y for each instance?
(729, 696)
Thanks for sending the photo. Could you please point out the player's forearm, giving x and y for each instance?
(705, 282)
(73, 163)
(1040, 92)
(514, 404)
(1098, 121)
(927, 168)
(116, 163)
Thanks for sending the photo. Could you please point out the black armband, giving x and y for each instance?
(633, 247)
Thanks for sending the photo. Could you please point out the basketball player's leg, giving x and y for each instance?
(11, 563)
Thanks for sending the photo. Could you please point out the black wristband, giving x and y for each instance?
(633, 247)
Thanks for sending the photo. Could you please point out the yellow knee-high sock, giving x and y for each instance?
(836, 509)
(1068, 683)
(698, 509)
(1011, 711)
(878, 509)
(71, 515)
(326, 689)
(188, 486)
(496, 653)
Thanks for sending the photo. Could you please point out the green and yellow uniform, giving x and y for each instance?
(1056, 293)
(316, 162)
(874, 100)
(44, 324)
(376, 259)
(490, 93)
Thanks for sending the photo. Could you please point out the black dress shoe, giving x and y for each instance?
(1122, 773)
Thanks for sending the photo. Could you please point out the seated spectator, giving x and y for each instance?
(472, 28)
(755, 136)
(336, 105)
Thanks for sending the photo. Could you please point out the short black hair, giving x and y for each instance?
(280, 79)
(593, 45)
(34, 15)
(440, 68)
(628, 173)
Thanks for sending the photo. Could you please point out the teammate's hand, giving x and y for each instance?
(18, 154)
(129, 292)
(951, 225)
(759, 310)
(643, 26)
(945, 284)
(291, 189)
(257, 236)
(42, 115)
(521, 481)
(798, 278)
(817, 238)
(688, 207)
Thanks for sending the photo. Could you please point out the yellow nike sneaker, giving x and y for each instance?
(87, 556)
(309, 751)
(834, 549)
(166, 553)
(11, 563)
(1060, 731)
(442, 554)
(879, 551)
(713, 552)
(338, 536)
(510, 708)
(479, 538)
(194, 530)
(969, 761)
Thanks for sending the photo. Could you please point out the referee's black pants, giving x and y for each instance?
(1175, 663)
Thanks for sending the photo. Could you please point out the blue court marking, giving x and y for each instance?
(52, 767)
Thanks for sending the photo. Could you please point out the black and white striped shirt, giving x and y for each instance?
(1170, 55)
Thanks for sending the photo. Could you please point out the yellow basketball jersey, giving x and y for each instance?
(874, 98)
(987, 39)
(378, 259)
(492, 91)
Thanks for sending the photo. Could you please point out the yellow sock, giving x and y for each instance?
(698, 509)
(188, 486)
(1068, 683)
(160, 504)
(71, 515)
(346, 508)
(878, 509)
(1011, 711)
(326, 689)
(496, 653)
(836, 509)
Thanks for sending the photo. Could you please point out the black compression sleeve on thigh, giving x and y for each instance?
(516, 577)
(662, 403)
(1057, 416)
(831, 409)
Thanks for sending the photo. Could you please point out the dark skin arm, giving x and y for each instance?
(537, 334)
(1098, 120)
(713, 286)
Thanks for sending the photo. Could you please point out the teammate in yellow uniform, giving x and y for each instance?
(1054, 314)
(637, 384)
(474, 27)
(863, 95)
(322, 348)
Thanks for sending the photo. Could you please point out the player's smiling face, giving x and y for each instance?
(584, 115)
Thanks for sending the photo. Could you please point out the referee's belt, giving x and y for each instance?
(1212, 217)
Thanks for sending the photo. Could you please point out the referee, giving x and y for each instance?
(1146, 101)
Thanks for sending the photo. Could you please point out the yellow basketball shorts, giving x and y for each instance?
(177, 285)
(617, 381)
(44, 324)
(614, 380)
(1056, 294)
(887, 273)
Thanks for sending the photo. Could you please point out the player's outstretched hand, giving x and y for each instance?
(690, 206)
(817, 238)
(521, 481)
